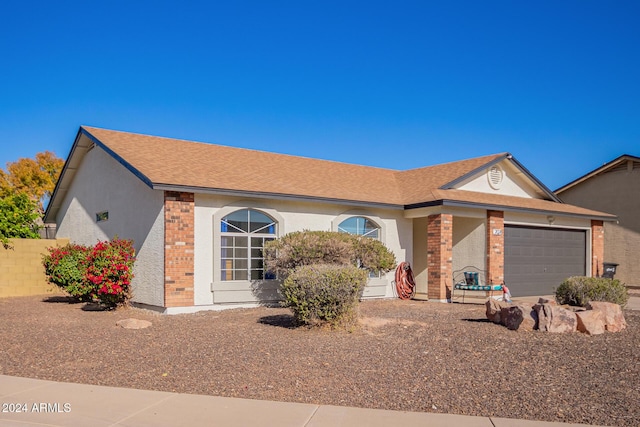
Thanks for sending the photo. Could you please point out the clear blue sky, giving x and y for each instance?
(396, 84)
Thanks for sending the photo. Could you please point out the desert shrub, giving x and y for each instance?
(579, 290)
(372, 255)
(66, 268)
(100, 273)
(325, 273)
(110, 270)
(325, 247)
(324, 294)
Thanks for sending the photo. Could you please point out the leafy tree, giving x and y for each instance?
(34, 177)
(18, 218)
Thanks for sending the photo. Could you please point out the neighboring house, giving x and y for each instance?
(614, 187)
(199, 214)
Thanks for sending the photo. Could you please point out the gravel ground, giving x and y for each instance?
(408, 355)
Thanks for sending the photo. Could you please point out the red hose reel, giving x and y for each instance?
(405, 283)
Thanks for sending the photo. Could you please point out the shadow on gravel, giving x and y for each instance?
(281, 320)
(62, 299)
(477, 320)
(93, 306)
(88, 306)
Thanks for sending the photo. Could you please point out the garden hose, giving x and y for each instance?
(405, 283)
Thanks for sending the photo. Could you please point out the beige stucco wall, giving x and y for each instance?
(291, 216)
(420, 262)
(616, 192)
(469, 243)
(513, 182)
(135, 212)
(21, 269)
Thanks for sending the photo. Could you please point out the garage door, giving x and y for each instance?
(537, 260)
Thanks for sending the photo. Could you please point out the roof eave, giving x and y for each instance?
(51, 207)
(276, 196)
(54, 203)
(119, 159)
(532, 177)
(490, 206)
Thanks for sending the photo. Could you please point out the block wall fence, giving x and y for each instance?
(21, 270)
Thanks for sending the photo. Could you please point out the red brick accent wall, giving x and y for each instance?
(597, 248)
(178, 249)
(439, 256)
(495, 247)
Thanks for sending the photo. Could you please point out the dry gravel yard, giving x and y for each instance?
(412, 356)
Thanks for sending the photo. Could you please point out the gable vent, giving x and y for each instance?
(495, 176)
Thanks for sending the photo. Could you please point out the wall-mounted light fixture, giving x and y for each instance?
(551, 219)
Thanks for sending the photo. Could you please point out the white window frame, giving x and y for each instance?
(335, 226)
(218, 234)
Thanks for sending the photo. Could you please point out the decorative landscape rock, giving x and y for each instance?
(552, 318)
(544, 314)
(591, 322)
(563, 320)
(133, 323)
(493, 309)
(547, 316)
(518, 318)
(613, 318)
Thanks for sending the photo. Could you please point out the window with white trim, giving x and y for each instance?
(360, 226)
(242, 236)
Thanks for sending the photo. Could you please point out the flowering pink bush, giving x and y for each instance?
(110, 270)
(66, 268)
(100, 273)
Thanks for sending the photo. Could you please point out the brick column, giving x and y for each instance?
(178, 249)
(495, 247)
(439, 256)
(597, 248)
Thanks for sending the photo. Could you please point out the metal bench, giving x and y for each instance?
(472, 279)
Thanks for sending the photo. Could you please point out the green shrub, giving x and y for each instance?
(325, 247)
(110, 270)
(66, 268)
(579, 290)
(324, 294)
(325, 273)
(372, 255)
(100, 273)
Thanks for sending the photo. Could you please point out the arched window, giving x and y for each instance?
(243, 234)
(361, 226)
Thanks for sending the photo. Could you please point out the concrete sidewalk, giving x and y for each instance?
(48, 403)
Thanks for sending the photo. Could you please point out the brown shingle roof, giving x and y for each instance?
(194, 165)
(417, 184)
(166, 161)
